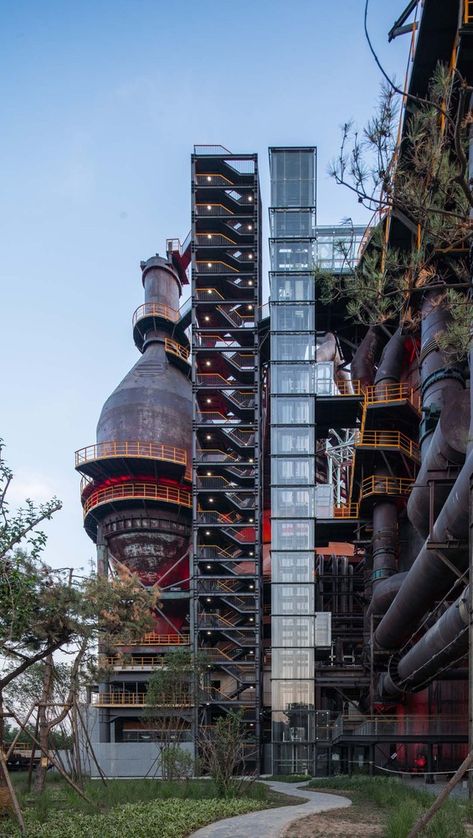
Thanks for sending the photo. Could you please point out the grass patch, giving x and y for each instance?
(289, 778)
(400, 805)
(132, 807)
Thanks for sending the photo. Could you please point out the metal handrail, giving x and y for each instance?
(211, 239)
(144, 661)
(130, 448)
(389, 439)
(385, 485)
(385, 393)
(140, 491)
(212, 209)
(207, 178)
(215, 266)
(349, 510)
(155, 310)
(151, 638)
(117, 699)
(208, 294)
(175, 348)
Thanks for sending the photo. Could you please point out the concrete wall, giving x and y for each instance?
(127, 759)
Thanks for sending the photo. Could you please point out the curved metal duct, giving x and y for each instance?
(447, 449)
(443, 644)
(363, 365)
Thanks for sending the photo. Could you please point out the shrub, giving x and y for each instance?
(171, 818)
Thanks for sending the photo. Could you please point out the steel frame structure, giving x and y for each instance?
(226, 301)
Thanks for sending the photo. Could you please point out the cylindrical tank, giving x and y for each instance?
(152, 406)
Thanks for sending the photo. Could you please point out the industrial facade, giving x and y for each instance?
(294, 483)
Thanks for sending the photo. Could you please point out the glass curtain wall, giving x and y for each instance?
(292, 382)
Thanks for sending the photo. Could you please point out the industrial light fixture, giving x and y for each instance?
(250, 282)
(250, 226)
(209, 474)
(211, 500)
(207, 532)
(209, 236)
(207, 363)
(250, 256)
(250, 308)
(209, 401)
(209, 290)
(209, 178)
(209, 599)
(209, 567)
(209, 264)
(208, 436)
(250, 198)
(206, 318)
(209, 207)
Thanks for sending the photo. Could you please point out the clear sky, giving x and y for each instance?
(102, 101)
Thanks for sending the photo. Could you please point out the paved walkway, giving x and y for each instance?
(271, 823)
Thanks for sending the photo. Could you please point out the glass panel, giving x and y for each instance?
(287, 378)
(292, 470)
(293, 503)
(293, 318)
(292, 535)
(294, 411)
(293, 440)
(292, 663)
(292, 254)
(291, 567)
(292, 599)
(293, 631)
(292, 694)
(293, 347)
(287, 223)
(285, 288)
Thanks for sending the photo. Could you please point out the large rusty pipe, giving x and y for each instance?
(436, 375)
(363, 365)
(443, 644)
(445, 454)
(430, 577)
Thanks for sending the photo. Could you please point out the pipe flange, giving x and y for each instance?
(440, 375)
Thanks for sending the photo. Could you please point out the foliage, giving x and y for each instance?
(401, 803)
(424, 183)
(174, 818)
(223, 752)
(176, 763)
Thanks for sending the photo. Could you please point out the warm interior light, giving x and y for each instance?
(211, 500)
(250, 226)
(208, 177)
(209, 474)
(207, 532)
(209, 567)
(207, 363)
(209, 264)
(209, 290)
(208, 632)
(250, 256)
(208, 599)
(209, 207)
(206, 318)
(209, 236)
(251, 520)
(209, 401)
(250, 198)
(250, 308)
(208, 436)
(250, 282)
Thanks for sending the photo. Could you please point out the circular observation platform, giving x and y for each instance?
(116, 458)
(102, 501)
(152, 316)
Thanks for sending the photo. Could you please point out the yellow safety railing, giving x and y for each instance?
(212, 177)
(204, 266)
(349, 510)
(213, 238)
(388, 439)
(151, 638)
(385, 393)
(468, 11)
(175, 348)
(385, 485)
(212, 209)
(117, 699)
(208, 294)
(139, 491)
(139, 662)
(130, 448)
(155, 310)
(349, 388)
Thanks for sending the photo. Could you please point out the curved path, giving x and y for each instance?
(271, 823)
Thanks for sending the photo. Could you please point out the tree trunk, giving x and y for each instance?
(43, 726)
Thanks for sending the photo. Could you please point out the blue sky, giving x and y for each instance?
(102, 101)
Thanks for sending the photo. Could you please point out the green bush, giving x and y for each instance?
(168, 818)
